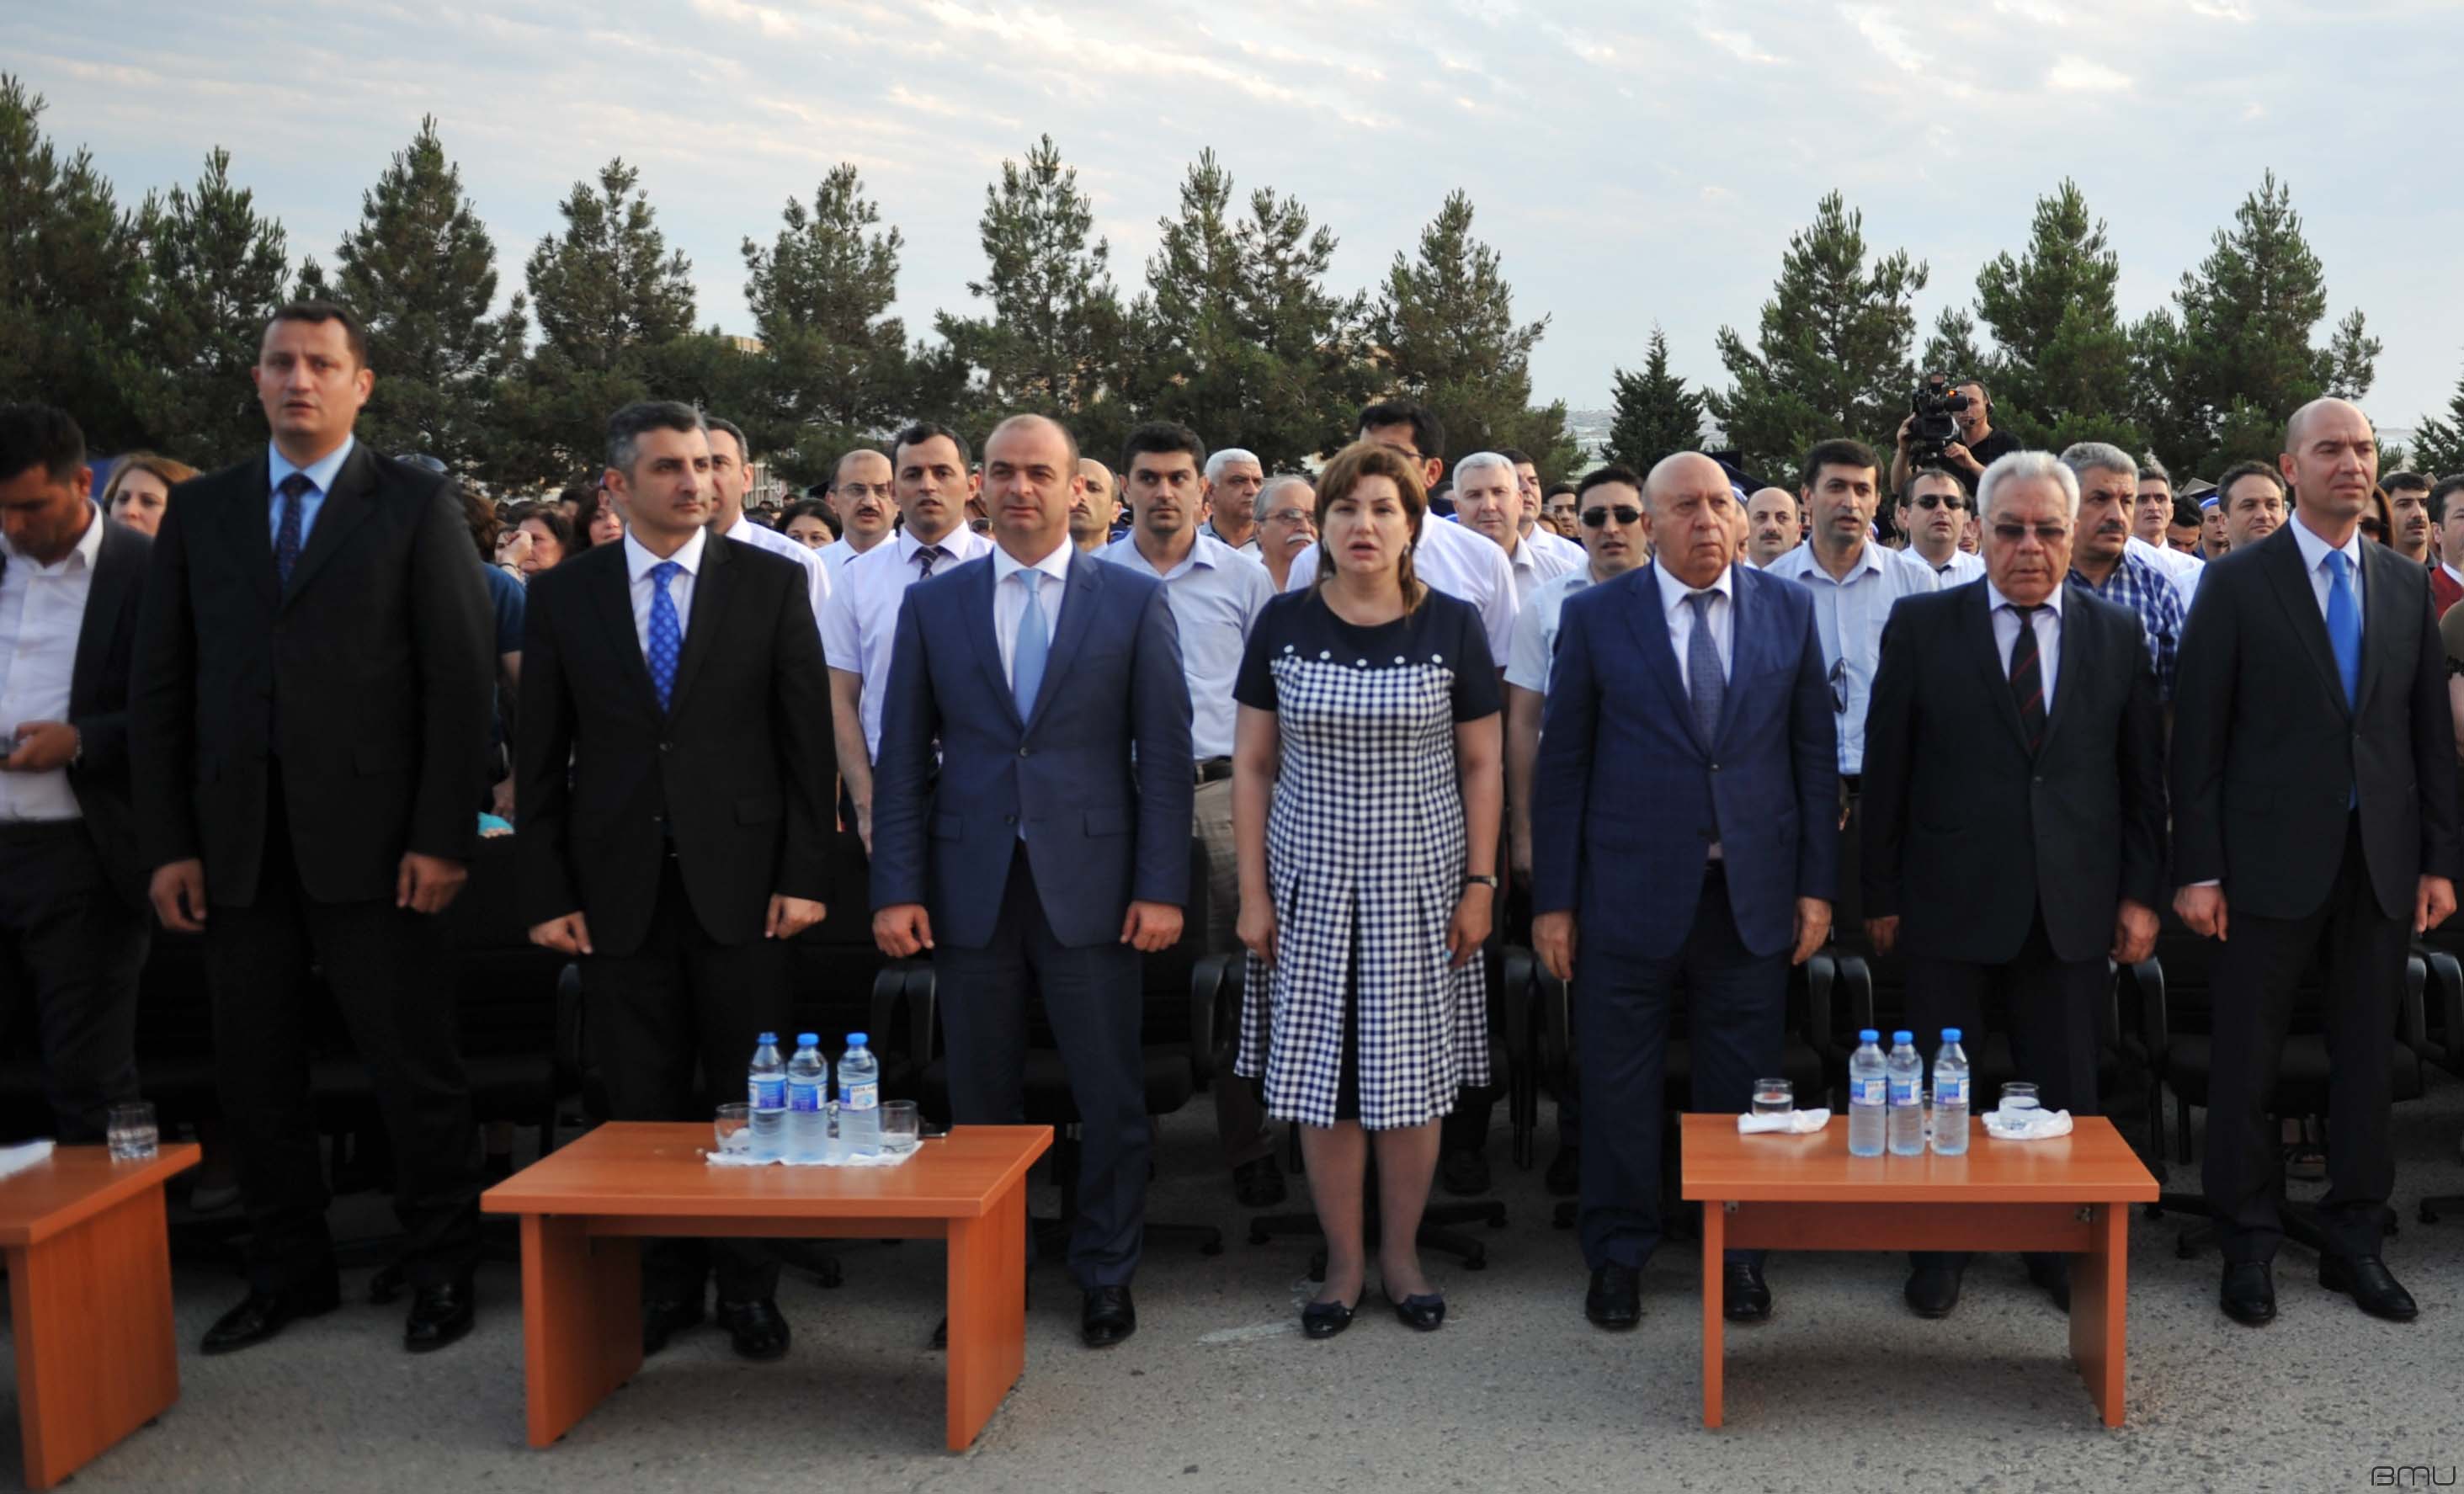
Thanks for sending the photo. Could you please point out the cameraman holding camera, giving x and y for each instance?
(1950, 427)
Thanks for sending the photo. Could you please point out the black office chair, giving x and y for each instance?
(2444, 1043)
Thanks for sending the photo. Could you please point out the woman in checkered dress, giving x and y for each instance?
(1366, 794)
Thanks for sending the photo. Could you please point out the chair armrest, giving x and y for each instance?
(1556, 1024)
(2147, 980)
(1207, 981)
(1519, 965)
(567, 1058)
(2411, 1027)
(1856, 983)
(2446, 992)
(889, 996)
(1822, 976)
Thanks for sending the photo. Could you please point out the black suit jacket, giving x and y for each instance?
(99, 703)
(2267, 752)
(370, 678)
(739, 770)
(1966, 836)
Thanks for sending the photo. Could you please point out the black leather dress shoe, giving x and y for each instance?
(2367, 1281)
(1614, 1300)
(262, 1314)
(439, 1315)
(1423, 1312)
(1744, 1298)
(1257, 1183)
(2249, 1295)
(2052, 1274)
(1107, 1317)
(1933, 1287)
(756, 1328)
(662, 1319)
(1464, 1174)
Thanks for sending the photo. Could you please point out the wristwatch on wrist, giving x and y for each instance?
(1488, 882)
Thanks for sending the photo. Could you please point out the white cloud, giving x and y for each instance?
(2079, 75)
(1883, 31)
(1739, 45)
(2221, 10)
(2044, 12)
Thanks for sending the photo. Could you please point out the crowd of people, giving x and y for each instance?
(1667, 726)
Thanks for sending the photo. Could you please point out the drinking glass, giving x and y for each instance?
(900, 1127)
(2018, 1095)
(130, 1129)
(1773, 1098)
(733, 1128)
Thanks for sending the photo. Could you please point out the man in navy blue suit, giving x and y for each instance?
(1685, 828)
(1051, 843)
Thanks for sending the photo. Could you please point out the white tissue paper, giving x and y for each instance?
(2028, 1125)
(19, 1158)
(747, 1160)
(1796, 1123)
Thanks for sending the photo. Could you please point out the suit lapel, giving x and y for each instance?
(1742, 648)
(2078, 634)
(980, 628)
(1659, 650)
(1077, 615)
(713, 589)
(2291, 579)
(1985, 650)
(114, 565)
(347, 506)
(248, 528)
(612, 593)
(2379, 616)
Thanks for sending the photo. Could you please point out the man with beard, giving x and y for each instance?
(2408, 501)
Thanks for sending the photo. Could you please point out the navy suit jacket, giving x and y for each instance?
(1100, 831)
(1624, 793)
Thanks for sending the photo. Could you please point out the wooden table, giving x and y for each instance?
(585, 1208)
(1806, 1193)
(90, 1293)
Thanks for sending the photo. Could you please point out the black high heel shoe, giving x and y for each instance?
(1324, 1319)
(1423, 1312)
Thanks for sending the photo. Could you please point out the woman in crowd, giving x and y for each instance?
(809, 522)
(1366, 795)
(551, 538)
(595, 521)
(140, 486)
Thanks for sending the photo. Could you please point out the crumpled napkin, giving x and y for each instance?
(19, 1158)
(745, 1159)
(2032, 1124)
(1796, 1123)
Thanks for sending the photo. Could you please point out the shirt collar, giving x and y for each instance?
(952, 544)
(1674, 592)
(321, 472)
(1204, 549)
(1055, 566)
(639, 562)
(2314, 548)
(1995, 602)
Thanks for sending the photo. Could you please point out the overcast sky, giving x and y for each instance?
(1634, 162)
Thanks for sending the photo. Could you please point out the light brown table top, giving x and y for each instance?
(75, 1183)
(656, 1168)
(2091, 1165)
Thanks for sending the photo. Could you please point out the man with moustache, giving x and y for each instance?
(731, 475)
(929, 473)
(1772, 528)
(1233, 480)
(1488, 502)
(2315, 821)
(1933, 510)
(2409, 500)
(1287, 525)
(863, 498)
(1093, 511)
(2103, 560)
(2447, 515)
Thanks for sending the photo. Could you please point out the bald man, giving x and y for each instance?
(1094, 508)
(1686, 846)
(1772, 528)
(2314, 818)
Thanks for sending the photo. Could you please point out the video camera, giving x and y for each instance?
(1937, 408)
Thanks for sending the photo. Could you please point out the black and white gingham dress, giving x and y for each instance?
(1365, 852)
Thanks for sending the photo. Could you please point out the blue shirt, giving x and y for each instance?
(320, 474)
(2136, 586)
(1849, 614)
(1216, 594)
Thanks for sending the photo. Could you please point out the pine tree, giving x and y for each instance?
(2352, 358)
(421, 271)
(1656, 414)
(835, 365)
(2438, 441)
(2060, 369)
(71, 278)
(1831, 357)
(1053, 341)
(1445, 329)
(218, 271)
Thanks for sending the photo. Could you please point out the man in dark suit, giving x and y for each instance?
(2314, 817)
(310, 725)
(1685, 828)
(73, 925)
(679, 676)
(2015, 807)
(1051, 845)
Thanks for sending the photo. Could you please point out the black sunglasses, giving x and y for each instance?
(1940, 500)
(1627, 513)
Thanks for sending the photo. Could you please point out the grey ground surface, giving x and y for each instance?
(1219, 1391)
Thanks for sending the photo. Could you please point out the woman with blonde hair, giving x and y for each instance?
(1366, 790)
(140, 489)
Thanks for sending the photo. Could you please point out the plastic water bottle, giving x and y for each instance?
(1950, 1095)
(808, 1080)
(1905, 1073)
(765, 1086)
(859, 1099)
(1868, 1095)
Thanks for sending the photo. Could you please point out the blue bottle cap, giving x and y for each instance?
(767, 1040)
(1869, 1035)
(855, 1039)
(1903, 1036)
(1950, 1034)
(809, 1040)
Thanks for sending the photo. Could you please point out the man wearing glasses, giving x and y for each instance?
(1933, 509)
(1286, 527)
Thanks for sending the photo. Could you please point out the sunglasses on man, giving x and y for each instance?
(1627, 513)
(1940, 500)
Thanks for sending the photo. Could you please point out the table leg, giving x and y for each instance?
(2100, 1301)
(1715, 1229)
(987, 1312)
(92, 1319)
(582, 1320)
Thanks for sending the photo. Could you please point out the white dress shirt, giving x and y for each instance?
(1216, 594)
(1464, 563)
(1009, 600)
(1534, 565)
(2313, 562)
(1958, 571)
(639, 563)
(1535, 630)
(836, 555)
(860, 623)
(42, 610)
(1681, 621)
(1849, 614)
(2182, 570)
(1554, 543)
(2049, 635)
(817, 576)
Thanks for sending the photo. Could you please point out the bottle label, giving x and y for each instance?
(1949, 1092)
(1903, 1092)
(767, 1094)
(859, 1097)
(805, 1097)
(1867, 1091)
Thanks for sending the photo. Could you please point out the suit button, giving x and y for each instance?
(1027, 752)
(1009, 819)
(2040, 778)
(666, 746)
(1715, 767)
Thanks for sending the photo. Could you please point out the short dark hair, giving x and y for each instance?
(40, 435)
(550, 517)
(354, 333)
(2185, 511)
(2405, 482)
(480, 516)
(809, 508)
(2440, 492)
(1614, 472)
(1515, 454)
(628, 425)
(2240, 470)
(1560, 485)
(918, 433)
(1428, 433)
(2148, 469)
(743, 448)
(1158, 438)
(1908, 488)
(1837, 451)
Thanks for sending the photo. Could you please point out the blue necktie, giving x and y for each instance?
(2344, 625)
(666, 631)
(1034, 642)
(286, 532)
(1704, 681)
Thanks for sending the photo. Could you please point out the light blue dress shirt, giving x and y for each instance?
(321, 472)
(1216, 594)
(1849, 614)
